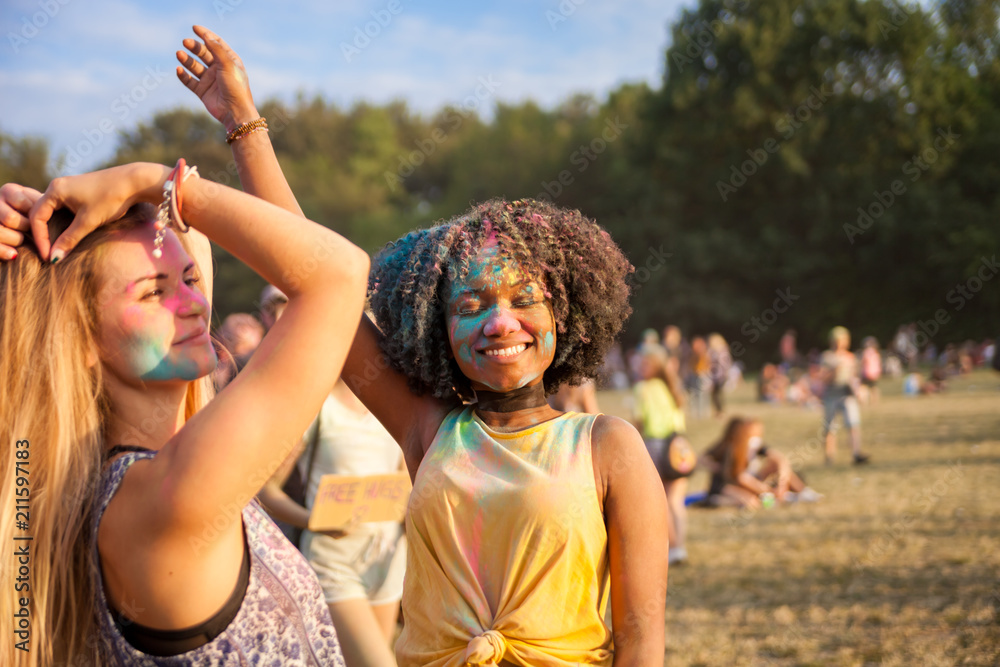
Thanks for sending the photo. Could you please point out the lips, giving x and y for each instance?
(503, 352)
(195, 337)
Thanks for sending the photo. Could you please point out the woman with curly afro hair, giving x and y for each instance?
(524, 521)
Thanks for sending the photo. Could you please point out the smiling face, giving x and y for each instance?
(500, 325)
(152, 318)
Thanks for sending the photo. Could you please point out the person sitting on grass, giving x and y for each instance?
(744, 469)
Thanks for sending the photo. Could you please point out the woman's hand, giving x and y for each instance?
(344, 530)
(95, 198)
(219, 80)
(15, 204)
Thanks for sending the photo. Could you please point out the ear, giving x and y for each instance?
(92, 357)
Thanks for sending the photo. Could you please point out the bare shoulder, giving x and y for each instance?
(618, 451)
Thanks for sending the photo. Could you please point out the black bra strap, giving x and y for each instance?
(174, 642)
(119, 449)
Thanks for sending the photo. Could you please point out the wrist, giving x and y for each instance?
(147, 181)
(240, 116)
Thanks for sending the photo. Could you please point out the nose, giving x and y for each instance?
(500, 322)
(191, 301)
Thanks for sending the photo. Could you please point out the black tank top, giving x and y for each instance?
(174, 642)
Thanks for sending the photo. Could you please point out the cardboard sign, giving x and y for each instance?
(343, 498)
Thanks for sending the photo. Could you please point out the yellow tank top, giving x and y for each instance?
(508, 550)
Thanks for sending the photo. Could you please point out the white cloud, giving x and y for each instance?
(93, 53)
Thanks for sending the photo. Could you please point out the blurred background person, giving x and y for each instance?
(677, 347)
(658, 416)
(744, 470)
(839, 373)
(613, 373)
(788, 349)
(697, 379)
(871, 369)
(576, 398)
(272, 305)
(360, 568)
(772, 384)
(240, 335)
(720, 366)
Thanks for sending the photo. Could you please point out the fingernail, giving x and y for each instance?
(13, 254)
(56, 256)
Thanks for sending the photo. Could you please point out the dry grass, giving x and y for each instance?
(899, 565)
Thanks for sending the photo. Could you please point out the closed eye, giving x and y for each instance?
(468, 307)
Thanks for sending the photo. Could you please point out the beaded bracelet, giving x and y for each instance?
(258, 125)
(169, 211)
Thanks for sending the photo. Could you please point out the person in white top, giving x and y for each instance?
(360, 568)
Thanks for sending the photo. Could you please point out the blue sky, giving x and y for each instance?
(78, 71)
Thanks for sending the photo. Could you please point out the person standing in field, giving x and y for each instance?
(658, 414)
(871, 368)
(839, 374)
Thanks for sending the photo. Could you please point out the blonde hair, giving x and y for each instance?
(837, 333)
(55, 410)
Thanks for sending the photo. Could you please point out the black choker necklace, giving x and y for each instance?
(532, 396)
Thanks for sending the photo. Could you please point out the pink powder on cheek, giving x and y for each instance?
(137, 324)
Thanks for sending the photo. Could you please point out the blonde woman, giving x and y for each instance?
(145, 545)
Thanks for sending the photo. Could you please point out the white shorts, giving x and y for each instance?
(368, 564)
(845, 405)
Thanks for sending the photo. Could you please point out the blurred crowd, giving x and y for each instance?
(672, 378)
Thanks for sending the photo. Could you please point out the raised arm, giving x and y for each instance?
(220, 81)
(222, 455)
(217, 76)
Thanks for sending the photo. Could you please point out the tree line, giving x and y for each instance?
(804, 163)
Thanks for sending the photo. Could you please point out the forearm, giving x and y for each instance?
(281, 507)
(285, 249)
(751, 483)
(258, 168)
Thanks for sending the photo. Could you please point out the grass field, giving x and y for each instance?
(899, 565)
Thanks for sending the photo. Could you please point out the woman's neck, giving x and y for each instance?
(514, 410)
(144, 416)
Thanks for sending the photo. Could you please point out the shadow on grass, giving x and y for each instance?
(935, 586)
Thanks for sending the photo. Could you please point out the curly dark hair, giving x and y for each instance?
(584, 274)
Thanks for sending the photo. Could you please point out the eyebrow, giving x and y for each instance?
(526, 281)
(159, 276)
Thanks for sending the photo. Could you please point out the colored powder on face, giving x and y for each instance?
(465, 354)
(490, 275)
